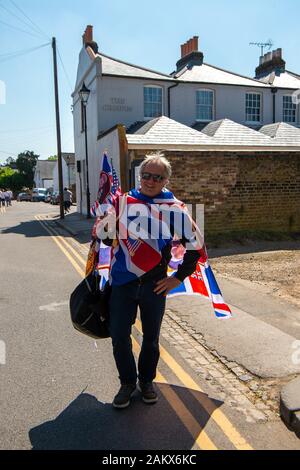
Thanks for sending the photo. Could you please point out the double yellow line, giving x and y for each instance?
(200, 437)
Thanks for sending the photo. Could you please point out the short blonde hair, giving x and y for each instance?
(159, 158)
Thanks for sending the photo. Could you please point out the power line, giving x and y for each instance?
(8, 153)
(20, 19)
(8, 54)
(64, 69)
(21, 53)
(32, 22)
(19, 29)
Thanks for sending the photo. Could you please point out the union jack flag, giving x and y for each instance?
(116, 188)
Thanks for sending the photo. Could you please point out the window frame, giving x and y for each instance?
(295, 109)
(162, 100)
(213, 105)
(260, 94)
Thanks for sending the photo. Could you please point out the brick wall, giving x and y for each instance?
(258, 191)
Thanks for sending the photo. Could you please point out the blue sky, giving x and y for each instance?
(137, 31)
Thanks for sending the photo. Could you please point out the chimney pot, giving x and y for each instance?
(185, 49)
(271, 62)
(182, 50)
(88, 35)
(195, 38)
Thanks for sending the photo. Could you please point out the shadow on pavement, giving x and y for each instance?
(31, 229)
(88, 424)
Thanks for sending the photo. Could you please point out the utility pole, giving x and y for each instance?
(59, 161)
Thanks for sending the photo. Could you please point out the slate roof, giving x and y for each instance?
(284, 80)
(282, 133)
(111, 66)
(210, 74)
(45, 169)
(227, 132)
(165, 131)
(204, 73)
(215, 135)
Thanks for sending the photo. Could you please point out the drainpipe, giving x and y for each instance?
(274, 91)
(169, 103)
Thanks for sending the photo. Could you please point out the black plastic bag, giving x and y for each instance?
(89, 307)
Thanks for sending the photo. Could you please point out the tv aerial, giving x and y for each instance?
(262, 45)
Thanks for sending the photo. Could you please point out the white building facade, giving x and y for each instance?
(195, 94)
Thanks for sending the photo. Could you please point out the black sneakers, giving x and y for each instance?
(122, 399)
(149, 395)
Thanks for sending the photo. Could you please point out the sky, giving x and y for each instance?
(144, 33)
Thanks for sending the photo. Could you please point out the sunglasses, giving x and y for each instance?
(156, 178)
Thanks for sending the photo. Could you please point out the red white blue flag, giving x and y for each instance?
(132, 257)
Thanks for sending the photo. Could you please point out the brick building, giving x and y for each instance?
(248, 181)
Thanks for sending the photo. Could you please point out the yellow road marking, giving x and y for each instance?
(72, 261)
(201, 438)
(216, 414)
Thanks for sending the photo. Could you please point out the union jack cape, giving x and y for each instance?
(131, 257)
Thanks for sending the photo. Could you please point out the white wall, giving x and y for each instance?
(41, 183)
(79, 138)
(69, 176)
(230, 102)
(121, 100)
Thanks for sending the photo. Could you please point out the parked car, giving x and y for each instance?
(38, 194)
(54, 198)
(48, 196)
(24, 197)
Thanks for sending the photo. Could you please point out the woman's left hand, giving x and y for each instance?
(166, 285)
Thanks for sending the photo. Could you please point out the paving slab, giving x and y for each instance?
(259, 347)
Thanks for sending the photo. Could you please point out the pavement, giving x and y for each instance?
(261, 341)
(76, 224)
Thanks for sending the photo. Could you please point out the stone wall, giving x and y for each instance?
(257, 191)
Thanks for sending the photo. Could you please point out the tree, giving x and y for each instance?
(11, 179)
(11, 162)
(26, 163)
(52, 158)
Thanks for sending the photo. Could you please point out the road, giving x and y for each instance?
(57, 385)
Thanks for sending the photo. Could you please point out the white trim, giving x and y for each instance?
(162, 101)
(213, 148)
(213, 105)
(261, 120)
(296, 111)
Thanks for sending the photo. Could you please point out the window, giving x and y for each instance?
(289, 109)
(253, 107)
(204, 105)
(152, 102)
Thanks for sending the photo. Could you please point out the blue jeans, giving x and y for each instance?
(124, 302)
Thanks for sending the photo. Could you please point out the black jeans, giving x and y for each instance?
(124, 302)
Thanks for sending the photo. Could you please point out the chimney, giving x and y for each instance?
(87, 39)
(270, 62)
(189, 54)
